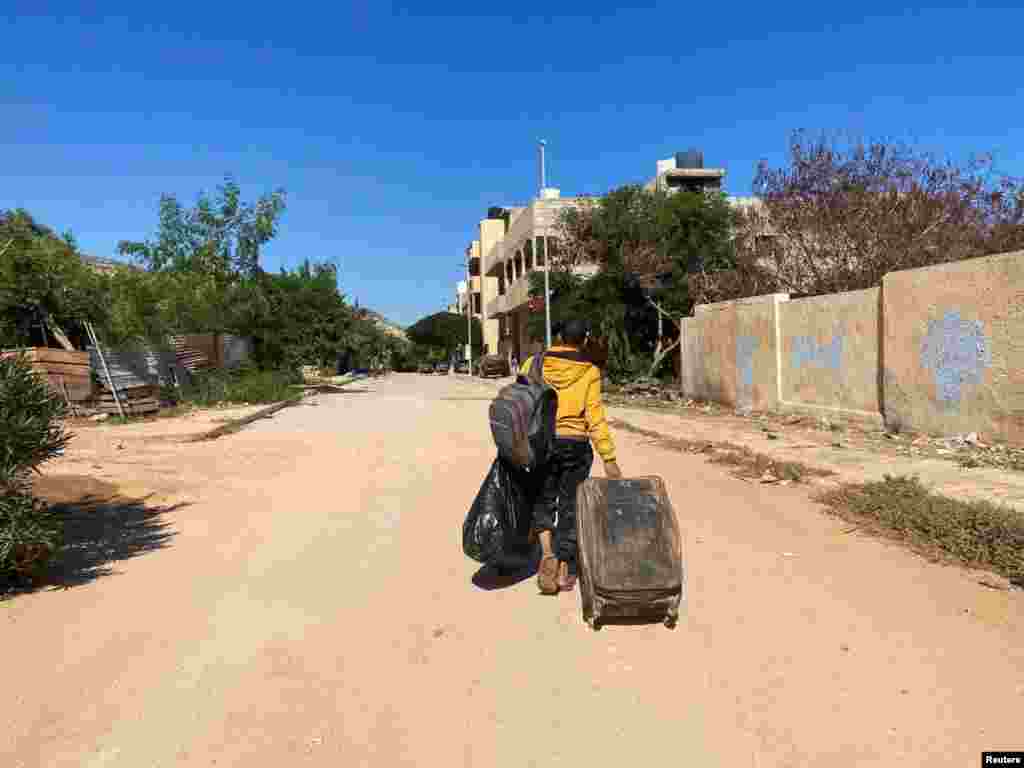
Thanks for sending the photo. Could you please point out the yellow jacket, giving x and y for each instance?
(580, 409)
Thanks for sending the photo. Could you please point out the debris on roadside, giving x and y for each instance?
(995, 581)
(968, 450)
(748, 464)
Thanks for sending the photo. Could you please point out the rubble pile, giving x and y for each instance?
(968, 450)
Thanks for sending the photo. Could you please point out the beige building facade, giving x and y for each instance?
(510, 247)
(470, 294)
(492, 232)
(529, 239)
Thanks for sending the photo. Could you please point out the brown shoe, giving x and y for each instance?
(547, 575)
(566, 581)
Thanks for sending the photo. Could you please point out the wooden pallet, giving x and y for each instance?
(62, 369)
(136, 401)
(131, 408)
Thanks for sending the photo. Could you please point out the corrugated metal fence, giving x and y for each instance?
(132, 367)
(140, 365)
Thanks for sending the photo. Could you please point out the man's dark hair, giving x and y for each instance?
(575, 331)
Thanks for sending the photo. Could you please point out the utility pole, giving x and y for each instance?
(543, 175)
(469, 316)
(547, 255)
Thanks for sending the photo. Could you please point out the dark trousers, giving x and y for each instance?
(557, 481)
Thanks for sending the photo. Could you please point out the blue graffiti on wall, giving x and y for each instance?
(807, 351)
(956, 352)
(746, 346)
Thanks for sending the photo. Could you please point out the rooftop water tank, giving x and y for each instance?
(691, 158)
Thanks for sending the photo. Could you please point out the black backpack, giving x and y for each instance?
(523, 418)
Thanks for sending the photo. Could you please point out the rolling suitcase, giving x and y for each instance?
(630, 563)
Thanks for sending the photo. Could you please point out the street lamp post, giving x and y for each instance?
(469, 317)
(547, 297)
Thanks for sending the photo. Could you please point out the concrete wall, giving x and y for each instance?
(730, 352)
(829, 360)
(953, 347)
(937, 350)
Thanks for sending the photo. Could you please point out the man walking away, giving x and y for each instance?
(580, 421)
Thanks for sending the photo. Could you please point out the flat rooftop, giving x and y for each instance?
(695, 173)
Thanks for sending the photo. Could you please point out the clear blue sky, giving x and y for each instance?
(394, 126)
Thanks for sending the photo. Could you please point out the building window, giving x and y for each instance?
(540, 251)
(474, 267)
(501, 285)
(528, 255)
(476, 303)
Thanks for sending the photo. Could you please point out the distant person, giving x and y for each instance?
(580, 421)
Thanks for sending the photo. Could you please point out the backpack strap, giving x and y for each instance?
(537, 368)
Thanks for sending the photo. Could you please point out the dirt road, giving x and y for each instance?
(313, 607)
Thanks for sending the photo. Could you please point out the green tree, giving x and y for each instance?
(203, 263)
(43, 278)
(446, 331)
(220, 236)
(646, 246)
(307, 321)
(154, 305)
(614, 303)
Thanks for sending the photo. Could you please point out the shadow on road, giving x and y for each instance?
(100, 529)
(641, 621)
(512, 571)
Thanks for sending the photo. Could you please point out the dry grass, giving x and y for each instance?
(979, 534)
(975, 533)
(747, 463)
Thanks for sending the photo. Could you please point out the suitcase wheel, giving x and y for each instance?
(671, 621)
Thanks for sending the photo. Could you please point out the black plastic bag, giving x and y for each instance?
(498, 523)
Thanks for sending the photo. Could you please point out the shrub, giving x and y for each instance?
(31, 433)
(242, 385)
(977, 533)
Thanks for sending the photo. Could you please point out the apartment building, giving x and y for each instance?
(685, 171)
(513, 242)
(529, 238)
(471, 295)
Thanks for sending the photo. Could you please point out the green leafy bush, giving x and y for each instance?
(31, 433)
(242, 385)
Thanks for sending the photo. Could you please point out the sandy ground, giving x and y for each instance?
(851, 455)
(309, 604)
